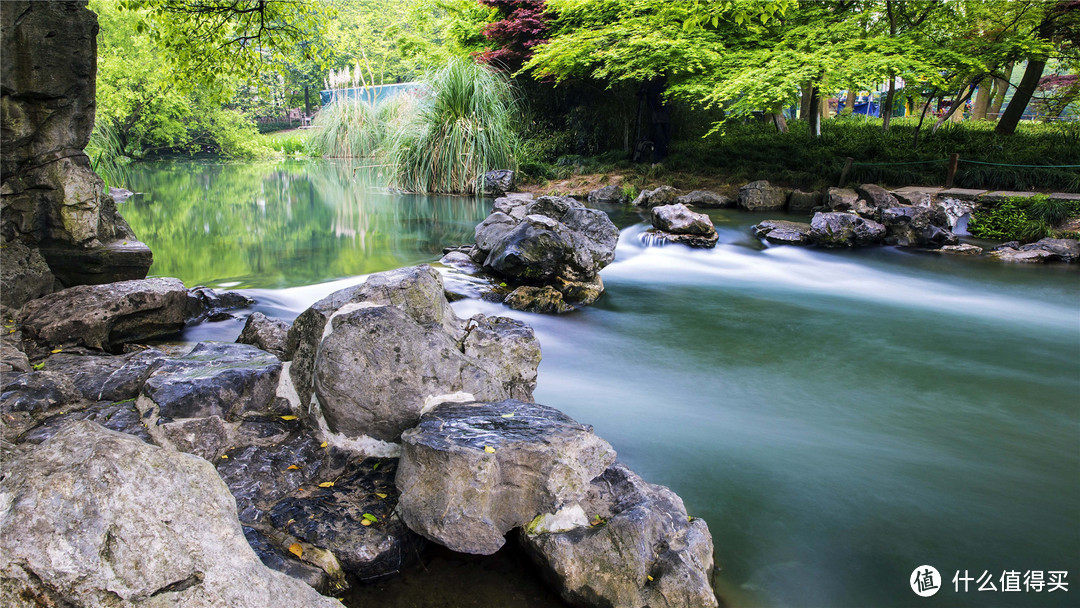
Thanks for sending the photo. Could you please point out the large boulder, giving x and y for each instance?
(499, 181)
(639, 549)
(842, 199)
(97, 518)
(705, 199)
(761, 196)
(664, 195)
(372, 355)
(107, 316)
(679, 224)
(877, 197)
(783, 232)
(845, 230)
(471, 472)
(107, 377)
(916, 227)
(1044, 250)
(52, 201)
(1065, 250)
(215, 379)
(551, 241)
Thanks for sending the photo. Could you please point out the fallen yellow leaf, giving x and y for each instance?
(489, 449)
(326, 484)
(296, 550)
(290, 417)
(380, 495)
(650, 578)
(364, 522)
(56, 350)
(510, 415)
(293, 467)
(226, 456)
(322, 445)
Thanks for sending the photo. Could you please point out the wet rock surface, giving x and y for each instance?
(127, 541)
(916, 227)
(633, 544)
(106, 377)
(469, 473)
(783, 232)
(610, 195)
(215, 379)
(845, 230)
(705, 199)
(677, 223)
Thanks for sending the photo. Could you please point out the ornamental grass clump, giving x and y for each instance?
(464, 125)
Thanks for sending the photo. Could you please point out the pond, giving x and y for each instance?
(838, 417)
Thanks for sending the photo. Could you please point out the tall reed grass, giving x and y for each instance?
(464, 124)
(106, 153)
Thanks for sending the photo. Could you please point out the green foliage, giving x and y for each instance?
(463, 126)
(1021, 219)
(106, 154)
(291, 143)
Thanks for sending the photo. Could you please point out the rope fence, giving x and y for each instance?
(954, 160)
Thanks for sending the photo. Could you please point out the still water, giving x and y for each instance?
(838, 417)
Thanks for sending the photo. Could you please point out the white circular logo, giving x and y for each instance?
(925, 581)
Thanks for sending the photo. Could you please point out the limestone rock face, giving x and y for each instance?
(643, 549)
(845, 230)
(24, 276)
(916, 227)
(373, 354)
(471, 472)
(50, 199)
(97, 518)
(760, 195)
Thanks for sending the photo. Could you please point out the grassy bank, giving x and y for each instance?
(749, 151)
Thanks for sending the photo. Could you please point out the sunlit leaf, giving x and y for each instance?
(489, 449)
(296, 550)
(380, 495)
(326, 484)
(370, 517)
(290, 417)
(322, 445)
(292, 467)
(56, 350)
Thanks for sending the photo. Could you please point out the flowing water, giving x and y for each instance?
(838, 417)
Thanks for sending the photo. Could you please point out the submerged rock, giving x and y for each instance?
(962, 249)
(762, 196)
(845, 230)
(135, 525)
(629, 543)
(678, 224)
(471, 472)
(783, 232)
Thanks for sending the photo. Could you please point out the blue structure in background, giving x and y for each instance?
(373, 94)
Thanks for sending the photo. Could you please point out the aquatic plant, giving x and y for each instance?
(106, 152)
(464, 124)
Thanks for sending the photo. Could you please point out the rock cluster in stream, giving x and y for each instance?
(548, 251)
(380, 422)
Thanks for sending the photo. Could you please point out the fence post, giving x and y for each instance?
(954, 160)
(844, 173)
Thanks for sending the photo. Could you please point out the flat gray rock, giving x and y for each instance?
(783, 232)
(845, 230)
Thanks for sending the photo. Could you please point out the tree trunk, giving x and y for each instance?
(307, 102)
(886, 112)
(958, 102)
(1001, 86)
(849, 103)
(804, 102)
(814, 112)
(778, 120)
(982, 99)
(922, 117)
(1018, 104)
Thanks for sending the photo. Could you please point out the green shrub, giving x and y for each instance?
(464, 125)
(349, 128)
(1021, 219)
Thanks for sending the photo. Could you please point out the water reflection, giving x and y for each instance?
(286, 223)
